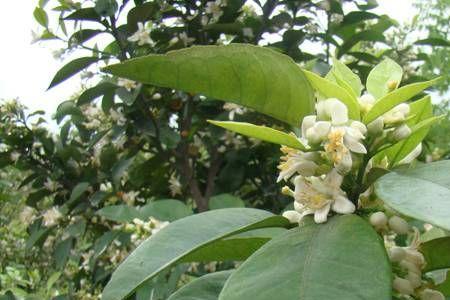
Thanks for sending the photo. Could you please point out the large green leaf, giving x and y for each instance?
(422, 192)
(119, 213)
(262, 132)
(341, 72)
(165, 210)
(256, 77)
(383, 73)
(437, 253)
(180, 238)
(329, 89)
(225, 201)
(396, 97)
(207, 287)
(343, 259)
(71, 69)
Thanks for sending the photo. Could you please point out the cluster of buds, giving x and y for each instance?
(408, 262)
(142, 230)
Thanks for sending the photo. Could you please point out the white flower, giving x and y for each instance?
(378, 220)
(156, 96)
(157, 225)
(429, 294)
(26, 215)
(397, 114)
(127, 83)
(402, 286)
(130, 197)
(293, 216)
(396, 254)
(51, 185)
(51, 216)
(296, 161)
(214, 8)
(317, 195)
(234, 109)
(401, 132)
(412, 155)
(366, 102)
(332, 109)
(141, 36)
(175, 185)
(117, 116)
(398, 225)
(14, 156)
(336, 18)
(106, 187)
(186, 39)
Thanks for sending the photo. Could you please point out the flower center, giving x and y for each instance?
(335, 146)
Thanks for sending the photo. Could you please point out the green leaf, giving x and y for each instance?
(343, 259)
(385, 72)
(84, 14)
(102, 243)
(62, 252)
(119, 169)
(165, 210)
(262, 132)
(329, 89)
(41, 16)
(71, 69)
(141, 13)
(106, 8)
(433, 42)
(444, 287)
(256, 77)
(82, 36)
(225, 201)
(389, 101)
(119, 213)
(342, 72)
(421, 110)
(207, 287)
(436, 253)
(180, 238)
(422, 193)
(95, 92)
(78, 190)
(67, 108)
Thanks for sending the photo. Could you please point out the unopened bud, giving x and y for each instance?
(376, 127)
(402, 286)
(429, 294)
(410, 267)
(415, 279)
(156, 96)
(292, 216)
(378, 220)
(398, 225)
(415, 257)
(401, 132)
(396, 254)
(392, 85)
(287, 191)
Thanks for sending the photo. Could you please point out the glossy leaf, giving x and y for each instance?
(256, 77)
(207, 287)
(100, 89)
(342, 72)
(78, 190)
(225, 201)
(329, 89)
(422, 192)
(165, 210)
(177, 240)
(396, 97)
(261, 132)
(119, 213)
(436, 253)
(433, 42)
(387, 71)
(343, 259)
(71, 69)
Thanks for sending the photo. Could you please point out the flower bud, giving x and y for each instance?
(402, 286)
(378, 220)
(429, 294)
(318, 132)
(415, 257)
(292, 216)
(398, 225)
(396, 254)
(401, 132)
(376, 127)
(392, 85)
(156, 96)
(415, 279)
(307, 123)
(410, 267)
(366, 102)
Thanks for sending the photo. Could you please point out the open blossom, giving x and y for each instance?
(175, 185)
(319, 195)
(296, 161)
(117, 116)
(51, 216)
(127, 83)
(27, 215)
(214, 8)
(233, 109)
(51, 185)
(141, 36)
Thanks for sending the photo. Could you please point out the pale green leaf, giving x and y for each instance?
(256, 77)
(178, 239)
(330, 89)
(343, 259)
(385, 72)
(342, 72)
(422, 192)
(262, 133)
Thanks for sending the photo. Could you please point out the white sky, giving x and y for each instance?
(26, 69)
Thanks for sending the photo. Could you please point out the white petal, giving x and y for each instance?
(292, 216)
(339, 113)
(354, 145)
(412, 155)
(307, 123)
(342, 205)
(299, 207)
(321, 215)
(403, 108)
(359, 126)
(306, 168)
(345, 165)
(322, 128)
(334, 179)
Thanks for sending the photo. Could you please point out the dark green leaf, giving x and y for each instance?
(41, 16)
(436, 253)
(84, 14)
(119, 213)
(62, 252)
(165, 210)
(225, 201)
(433, 42)
(71, 69)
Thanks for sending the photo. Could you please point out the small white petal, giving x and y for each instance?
(322, 128)
(307, 123)
(359, 126)
(354, 145)
(321, 215)
(338, 113)
(429, 294)
(412, 155)
(292, 216)
(345, 165)
(299, 207)
(402, 286)
(342, 205)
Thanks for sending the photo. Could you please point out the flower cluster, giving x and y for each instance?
(141, 230)
(407, 262)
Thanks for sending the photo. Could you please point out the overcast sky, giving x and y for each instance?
(27, 69)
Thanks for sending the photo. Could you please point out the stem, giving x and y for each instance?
(359, 179)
